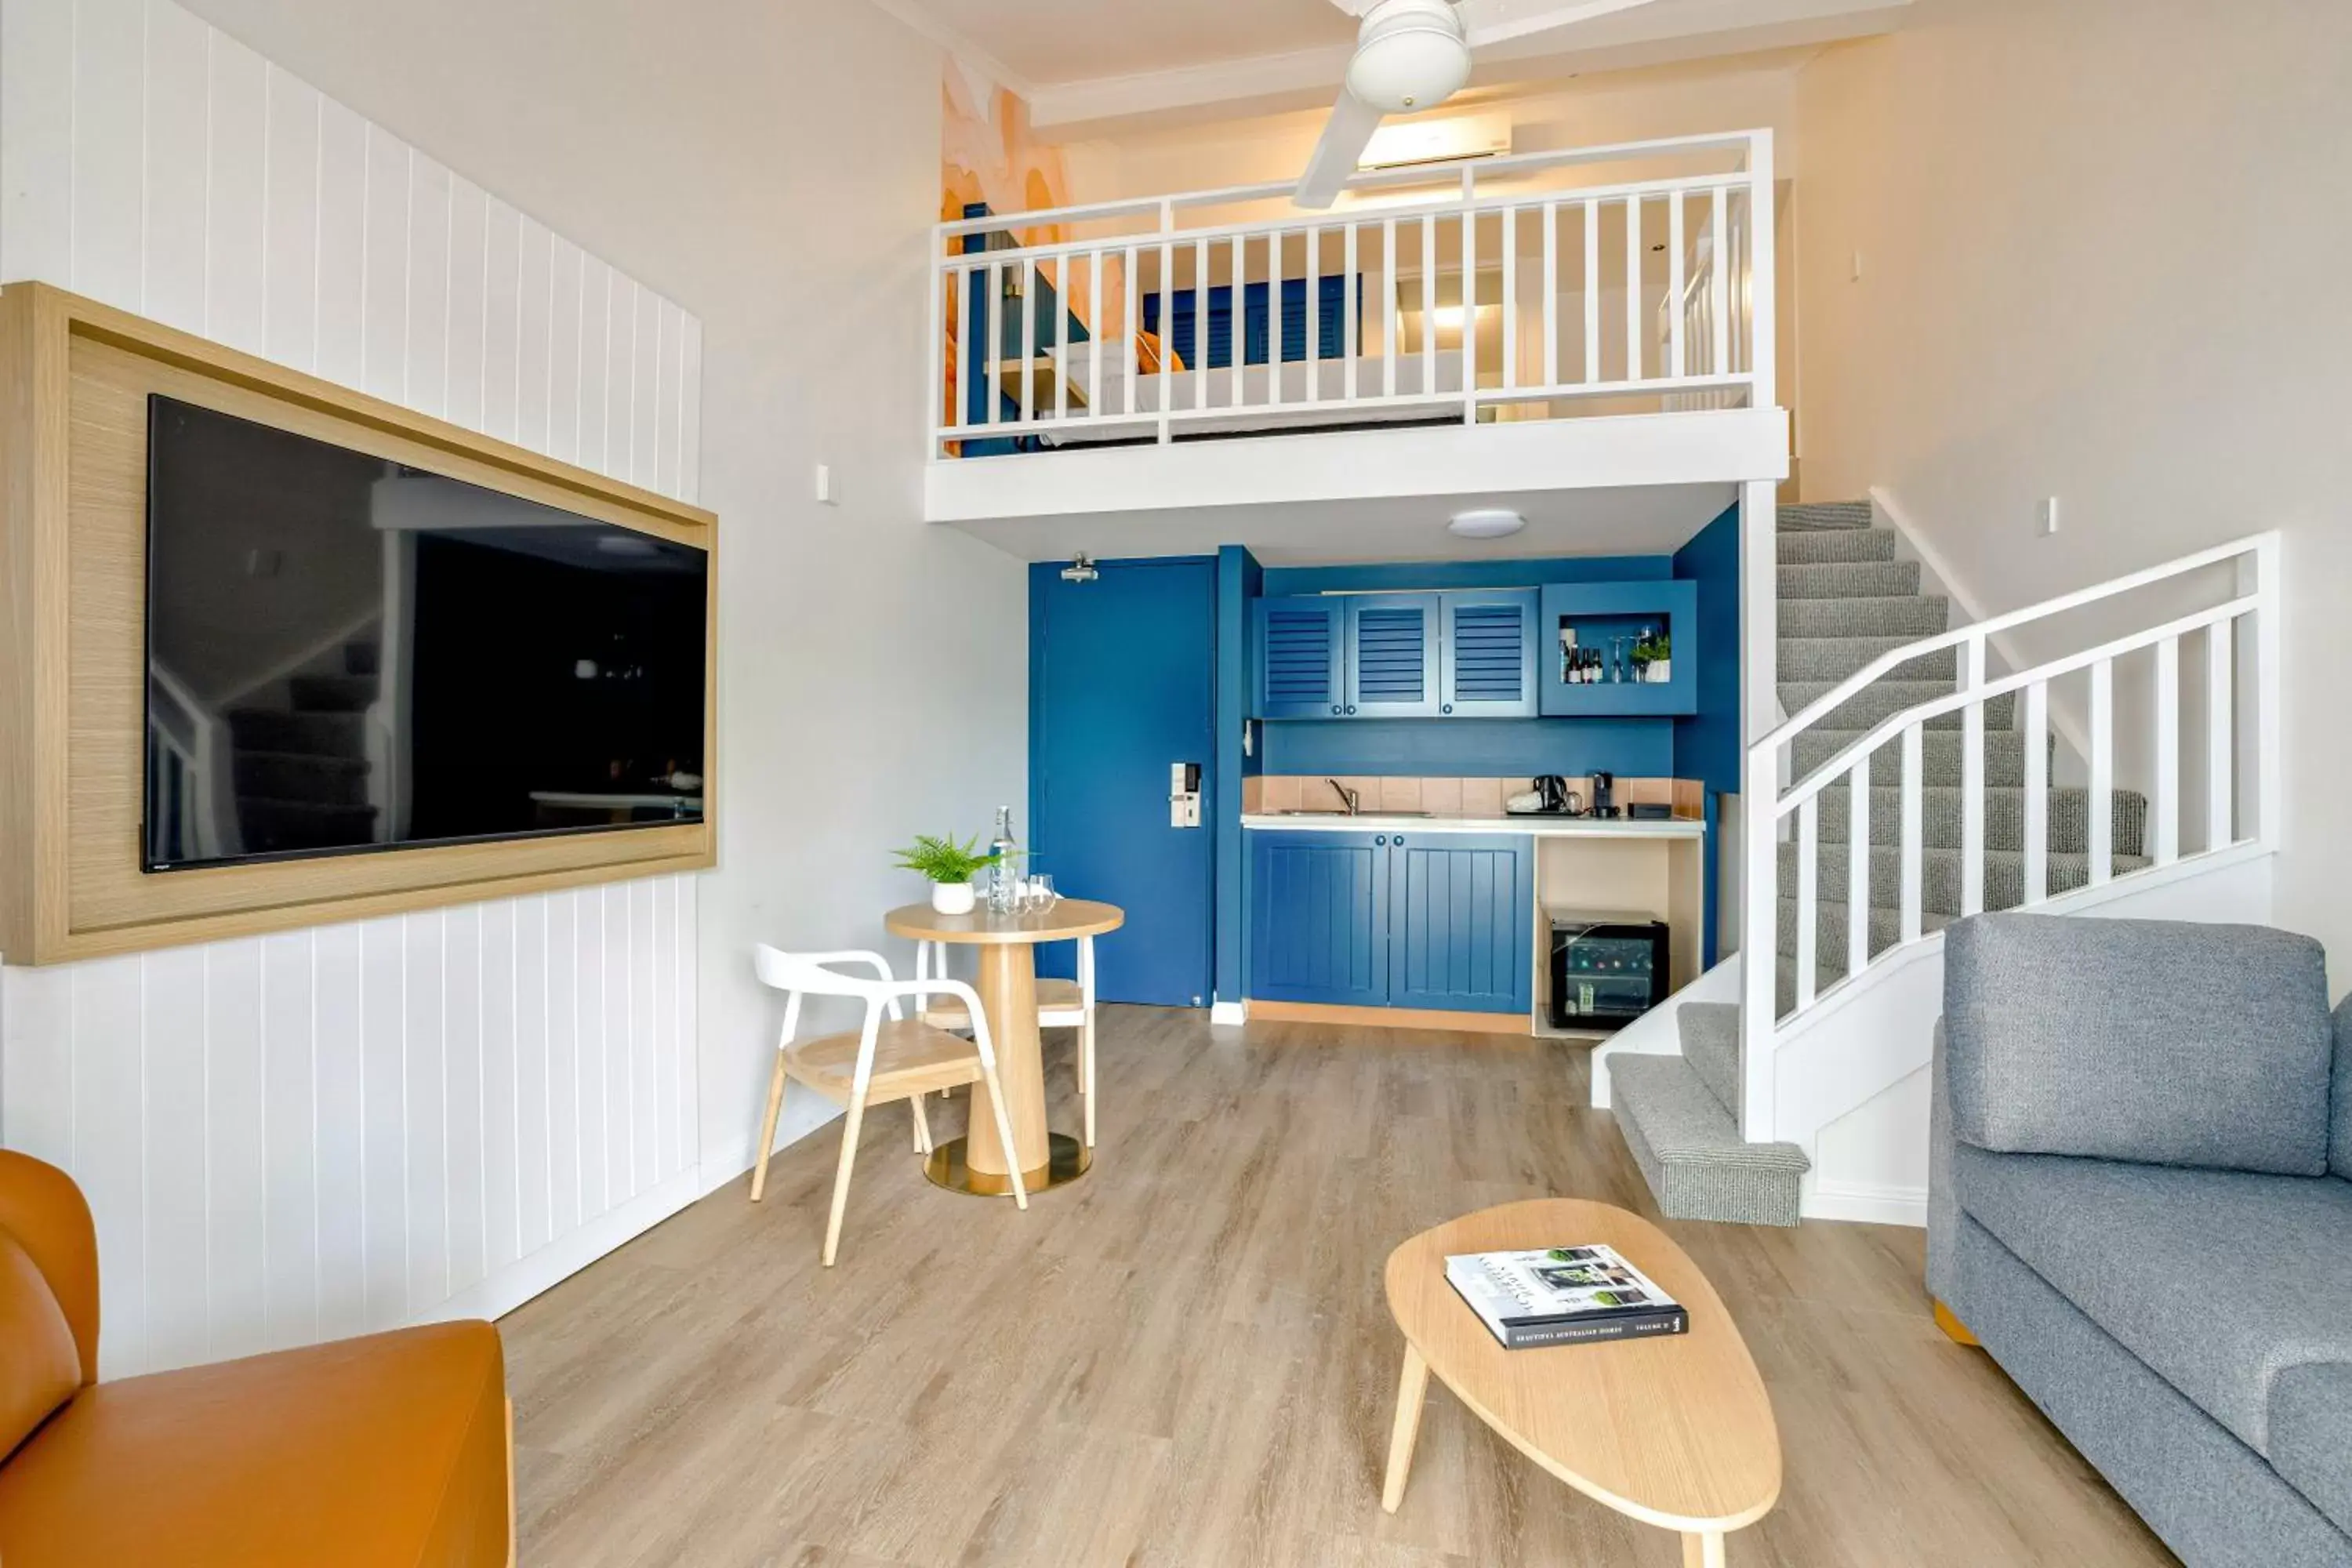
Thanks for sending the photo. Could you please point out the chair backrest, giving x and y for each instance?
(42, 1209)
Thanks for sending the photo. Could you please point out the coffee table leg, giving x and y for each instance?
(1412, 1390)
(1703, 1550)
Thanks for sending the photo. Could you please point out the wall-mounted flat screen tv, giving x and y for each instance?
(348, 654)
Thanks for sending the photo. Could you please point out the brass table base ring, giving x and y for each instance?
(1067, 1161)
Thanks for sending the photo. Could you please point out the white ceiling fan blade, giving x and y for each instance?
(1345, 135)
(1498, 21)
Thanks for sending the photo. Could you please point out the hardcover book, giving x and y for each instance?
(1563, 1295)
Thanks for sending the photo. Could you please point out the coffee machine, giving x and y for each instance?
(1559, 800)
(1603, 786)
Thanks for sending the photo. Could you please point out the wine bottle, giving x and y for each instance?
(1004, 874)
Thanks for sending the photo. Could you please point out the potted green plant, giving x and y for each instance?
(951, 868)
(1654, 655)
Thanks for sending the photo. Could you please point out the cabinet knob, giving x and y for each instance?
(1447, 708)
(1351, 708)
(1380, 838)
(1335, 709)
(1398, 841)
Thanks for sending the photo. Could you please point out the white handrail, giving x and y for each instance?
(1788, 816)
(1420, 283)
(1980, 631)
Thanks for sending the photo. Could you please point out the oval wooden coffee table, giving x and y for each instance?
(1675, 1431)
(979, 1161)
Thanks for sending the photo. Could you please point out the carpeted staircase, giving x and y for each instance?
(300, 755)
(1844, 600)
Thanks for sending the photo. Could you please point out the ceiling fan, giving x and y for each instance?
(1412, 54)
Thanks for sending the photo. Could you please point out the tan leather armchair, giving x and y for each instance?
(391, 1448)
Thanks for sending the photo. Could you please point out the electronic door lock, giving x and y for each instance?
(1183, 795)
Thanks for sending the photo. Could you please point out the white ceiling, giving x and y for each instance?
(1085, 64)
(1653, 519)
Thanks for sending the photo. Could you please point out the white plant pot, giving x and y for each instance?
(1662, 670)
(952, 898)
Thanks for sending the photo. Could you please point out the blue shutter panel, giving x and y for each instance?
(1490, 654)
(1393, 665)
(1298, 657)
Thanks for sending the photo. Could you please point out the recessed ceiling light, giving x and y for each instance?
(1486, 522)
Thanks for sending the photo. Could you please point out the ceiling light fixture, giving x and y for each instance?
(1486, 522)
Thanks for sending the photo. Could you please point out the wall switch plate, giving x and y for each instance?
(824, 485)
(2048, 516)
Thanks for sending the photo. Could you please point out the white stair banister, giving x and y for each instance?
(2103, 773)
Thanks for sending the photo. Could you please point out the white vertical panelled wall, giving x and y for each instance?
(313, 1134)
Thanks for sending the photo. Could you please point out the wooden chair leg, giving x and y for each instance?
(1004, 1137)
(1412, 1393)
(841, 1178)
(922, 1124)
(767, 1129)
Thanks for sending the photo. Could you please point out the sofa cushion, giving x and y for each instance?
(2310, 1436)
(2143, 1040)
(2219, 1280)
(375, 1451)
(2339, 1148)
(39, 1367)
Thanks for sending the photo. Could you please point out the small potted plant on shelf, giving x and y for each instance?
(1654, 659)
(951, 868)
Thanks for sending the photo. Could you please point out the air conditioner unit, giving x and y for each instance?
(1404, 143)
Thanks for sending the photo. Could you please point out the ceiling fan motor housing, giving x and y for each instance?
(1409, 55)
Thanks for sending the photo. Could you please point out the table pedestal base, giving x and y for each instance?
(946, 1167)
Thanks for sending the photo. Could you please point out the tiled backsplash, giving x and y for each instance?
(1478, 797)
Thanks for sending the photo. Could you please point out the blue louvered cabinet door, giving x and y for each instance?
(1462, 921)
(1489, 651)
(1318, 917)
(1393, 656)
(1301, 658)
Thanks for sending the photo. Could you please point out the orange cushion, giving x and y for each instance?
(390, 1449)
(39, 1367)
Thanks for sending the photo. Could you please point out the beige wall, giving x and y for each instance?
(2103, 248)
(872, 669)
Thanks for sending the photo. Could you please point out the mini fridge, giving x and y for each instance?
(1607, 969)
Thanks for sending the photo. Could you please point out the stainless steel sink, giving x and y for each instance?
(1344, 816)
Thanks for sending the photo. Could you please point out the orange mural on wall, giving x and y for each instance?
(989, 153)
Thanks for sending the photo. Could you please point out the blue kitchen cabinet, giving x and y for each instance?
(1393, 662)
(1488, 653)
(1301, 658)
(1427, 921)
(1319, 915)
(1462, 921)
(1606, 617)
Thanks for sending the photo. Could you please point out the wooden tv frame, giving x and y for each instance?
(75, 376)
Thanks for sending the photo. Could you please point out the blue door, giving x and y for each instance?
(1318, 917)
(1121, 678)
(1462, 921)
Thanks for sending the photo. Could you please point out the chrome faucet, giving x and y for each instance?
(1353, 800)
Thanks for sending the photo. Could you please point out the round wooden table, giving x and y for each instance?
(979, 1161)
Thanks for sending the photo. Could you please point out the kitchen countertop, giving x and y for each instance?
(1536, 826)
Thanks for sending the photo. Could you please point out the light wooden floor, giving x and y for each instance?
(1185, 1359)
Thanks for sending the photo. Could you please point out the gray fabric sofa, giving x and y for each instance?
(2141, 1205)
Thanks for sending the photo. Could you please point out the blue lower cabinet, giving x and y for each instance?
(1461, 922)
(1318, 911)
(1393, 920)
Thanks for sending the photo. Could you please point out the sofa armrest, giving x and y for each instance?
(41, 1205)
(2149, 1041)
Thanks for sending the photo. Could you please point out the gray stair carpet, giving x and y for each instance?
(300, 753)
(1844, 602)
(1678, 1117)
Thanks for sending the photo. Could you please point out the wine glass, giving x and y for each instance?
(1038, 894)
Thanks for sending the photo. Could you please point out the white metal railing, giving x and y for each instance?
(2237, 709)
(1520, 293)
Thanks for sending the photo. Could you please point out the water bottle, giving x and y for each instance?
(1004, 874)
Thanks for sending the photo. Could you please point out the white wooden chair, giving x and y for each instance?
(880, 1062)
(1061, 1004)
